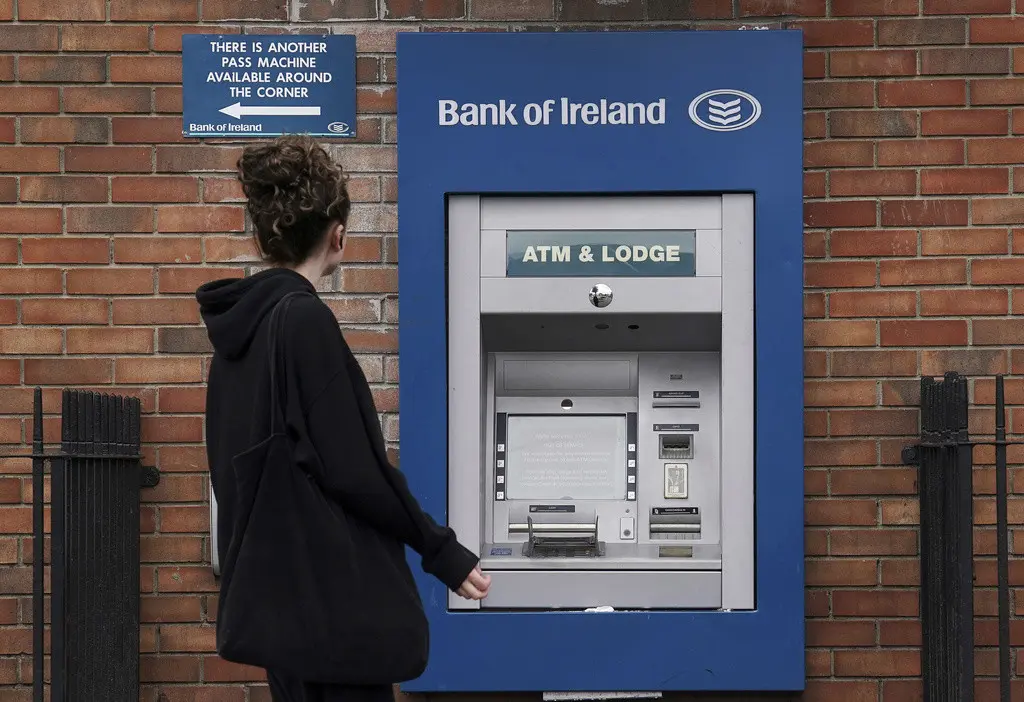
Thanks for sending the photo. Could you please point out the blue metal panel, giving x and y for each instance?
(480, 651)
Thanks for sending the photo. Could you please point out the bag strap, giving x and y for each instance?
(276, 411)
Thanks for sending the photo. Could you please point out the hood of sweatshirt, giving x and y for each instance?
(234, 308)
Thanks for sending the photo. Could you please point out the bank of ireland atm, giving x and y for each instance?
(600, 354)
(597, 348)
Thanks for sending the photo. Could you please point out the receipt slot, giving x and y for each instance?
(598, 347)
(600, 333)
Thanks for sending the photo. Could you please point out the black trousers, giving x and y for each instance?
(287, 689)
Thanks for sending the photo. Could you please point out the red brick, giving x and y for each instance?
(848, 634)
(187, 280)
(7, 68)
(187, 159)
(23, 99)
(163, 11)
(865, 242)
(64, 130)
(829, 33)
(322, 10)
(997, 30)
(968, 122)
(65, 250)
(995, 151)
(185, 400)
(28, 37)
(923, 271)
(103, 99)
(7, 130)
(815, 127)
(29, 159)
(914, 32)
(997, 332)
(861, 64)
(21, 280)
(997, 271)
(923, 332)
(63, 189)
(167, 37)
(839, 94)
(164, 608)
(219, 10)
(874, 123)
(8, 250)
(114, 340)
(117, 280)
(874, 364)
(154, 189)
(952, 242)
(997, 91)
(229, 249)
(962, 61)
(869, 8)
(814, 245)
(119, 219)
(6, 9)
(62, 69)
(854, 213)
(172, 429)
(672, 10)
(64, 311)
(145, 69)
(108, 159)
(29, 220)
(216, 669)
(956, 303)
(814, 184)
(921, 152)
(177, 220)
(966, 362)
(146, 130)
(830, 154)
(874, 542)
(187, 638)
(222, 190)
(873, 303)
(814, 305)
(998, 211)
(54, 10)
(30, 341)
(839, 333)
(957, 7)
(840, 393)
(922, 93)
(157, 250)
(846, 183)
(814, 64)
(104, 38)
(924, 213)
(68, 371)
(875, 603)
(159, 370)
(154, 311)
(965, 181)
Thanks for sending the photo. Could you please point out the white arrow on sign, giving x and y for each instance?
(238, 109)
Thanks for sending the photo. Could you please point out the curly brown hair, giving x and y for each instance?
(294, 192)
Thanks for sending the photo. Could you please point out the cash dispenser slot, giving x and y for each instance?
(560, 540)
(675, 447)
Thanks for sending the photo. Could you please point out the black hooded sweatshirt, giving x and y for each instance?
(336, 408)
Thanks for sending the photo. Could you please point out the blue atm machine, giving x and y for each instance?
(601, 354)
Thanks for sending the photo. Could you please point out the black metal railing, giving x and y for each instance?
(945, 460)
(95, 481)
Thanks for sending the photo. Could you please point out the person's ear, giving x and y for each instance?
(337, 237)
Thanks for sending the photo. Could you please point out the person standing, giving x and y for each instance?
(309, 506)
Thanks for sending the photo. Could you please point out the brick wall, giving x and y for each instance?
(109, 220)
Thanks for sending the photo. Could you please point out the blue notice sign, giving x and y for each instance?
(268, 85)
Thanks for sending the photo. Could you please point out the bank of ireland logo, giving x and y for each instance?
(725, 110)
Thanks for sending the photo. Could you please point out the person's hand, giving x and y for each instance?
(475, 586)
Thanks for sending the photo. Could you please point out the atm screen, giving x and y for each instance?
(553, 457)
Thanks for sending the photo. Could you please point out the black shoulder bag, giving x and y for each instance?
(307, 590)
